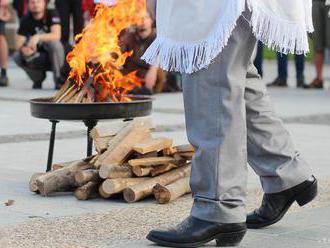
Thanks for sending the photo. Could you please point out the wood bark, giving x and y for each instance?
(141, 171)
(153, 161)
(171, 192)
(115, 171)
(85, 176)
(89, 190)
(180, 148)
(61, 180)
(144, 189)
(122, 144)
(114, 186)
(162, 169)
(33, 182)
(151, 145)
(103, 194)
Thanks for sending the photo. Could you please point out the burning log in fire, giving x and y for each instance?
(97, 59)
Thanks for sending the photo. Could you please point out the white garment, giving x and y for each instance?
(191, 33)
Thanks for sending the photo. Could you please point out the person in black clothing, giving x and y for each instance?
(66, 8)
(38, 44)
(4, 16)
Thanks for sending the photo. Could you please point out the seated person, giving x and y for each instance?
(139, 39)
(38, 44)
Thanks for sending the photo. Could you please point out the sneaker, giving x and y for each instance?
(4, 81)
(315, 84)
(37, 85)
(278, 82)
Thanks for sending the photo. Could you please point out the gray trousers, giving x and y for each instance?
(230, 122)
(51, 59)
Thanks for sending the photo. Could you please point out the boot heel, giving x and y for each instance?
(230, 239)
(307, 195)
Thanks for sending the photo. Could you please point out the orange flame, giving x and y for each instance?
(97, 53)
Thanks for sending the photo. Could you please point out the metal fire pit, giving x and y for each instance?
(89, 113)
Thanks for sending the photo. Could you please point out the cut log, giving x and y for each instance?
(151, 145)
(162, 169)
(103, 194)
(102, 143)
(144, 189)
(154, 161)
(147, 155)
(122, 144)
(187, 155)
(33, 182)
(141, 171)
(88, 191)
(63, 89)
(107, 130)
(114, 186)
(85, 176)
(171, 192)
(115, 171)
(180, 148)
(61, 180)
(57, 166)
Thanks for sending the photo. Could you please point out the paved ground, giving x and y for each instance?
(60, 221)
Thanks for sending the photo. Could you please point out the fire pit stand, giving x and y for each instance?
(88, 113)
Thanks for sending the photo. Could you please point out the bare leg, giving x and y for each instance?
(3, 52)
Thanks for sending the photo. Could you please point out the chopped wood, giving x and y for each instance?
(144, 189)
(57, 166)
(114, 186)
(87, 191)
(180, 148)
(61, 180)
(147, 155)
(85, 176)
(9, 203)
(70, 92)
(141, 171)
(103, 194)
(187, 155)
(102, 143)
(33, 182)
(107, 130)
(63, 89)
(122, 144)
(115, 171)
(153, 161)
(151, 145)
(162, 169)
(171, 192)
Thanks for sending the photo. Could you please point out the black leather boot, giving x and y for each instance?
(274, 206)
(193, 232)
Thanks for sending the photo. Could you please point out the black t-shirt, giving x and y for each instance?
(29, 26)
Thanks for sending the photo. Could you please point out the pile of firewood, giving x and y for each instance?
(129, 161)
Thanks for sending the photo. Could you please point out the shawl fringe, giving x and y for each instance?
(279, 34)
(188, 57)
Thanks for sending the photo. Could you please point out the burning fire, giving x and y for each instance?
(97, 58)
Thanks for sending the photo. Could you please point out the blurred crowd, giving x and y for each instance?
(44, 37)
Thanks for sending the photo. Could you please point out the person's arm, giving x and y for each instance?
(54, 35)
(19, 43)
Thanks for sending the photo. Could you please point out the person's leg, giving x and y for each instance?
(258, 61)
(300, 67)
(271, 152)
(78, 17)
(56, 57)
(35, 74)
(63, 8)
(216, 127)
(282, 71)
(3, 56)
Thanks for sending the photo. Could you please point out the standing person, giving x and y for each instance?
(228, 113)
(259, 58)
(66, 9)
(21, 7)
(321, 39)
(38, 45)
(282, 68)
(4, 17)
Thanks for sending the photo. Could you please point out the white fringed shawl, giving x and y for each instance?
(191, 33)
